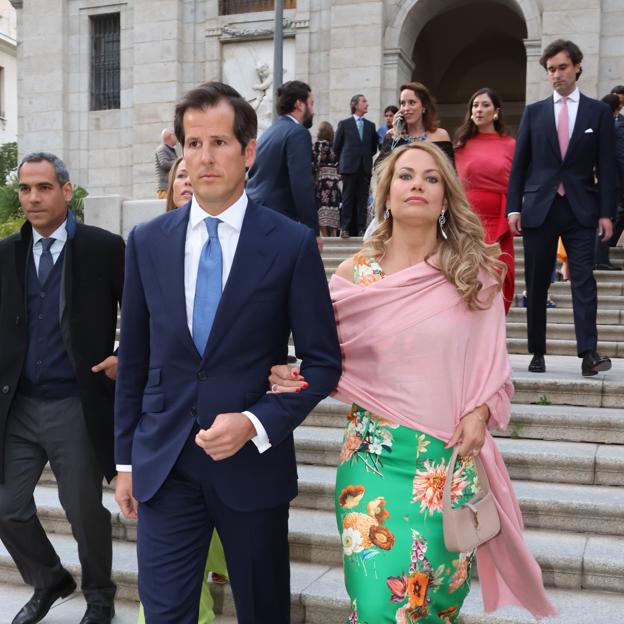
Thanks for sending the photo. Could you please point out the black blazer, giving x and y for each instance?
(538, 169)
(93, 273)
(353, 152)
(281, 178)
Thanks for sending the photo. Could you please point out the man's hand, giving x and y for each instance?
(123, 495)
(319, 242)
(109, 366)
(227, 435)
(514, 224)
(470, 432)
(605, 229)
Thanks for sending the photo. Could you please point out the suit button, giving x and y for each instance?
(201, 376)
(40, 316)
(5, 389)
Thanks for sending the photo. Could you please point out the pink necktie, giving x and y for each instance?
(563, 132)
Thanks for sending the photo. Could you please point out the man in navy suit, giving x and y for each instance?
(355, 145)
(281, 176)
(213, 291)
(562, 183)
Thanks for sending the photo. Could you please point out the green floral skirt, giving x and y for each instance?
(389, 489)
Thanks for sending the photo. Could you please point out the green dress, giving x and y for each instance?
(389, 488)
(214, 563)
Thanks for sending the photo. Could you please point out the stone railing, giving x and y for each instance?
(120, 214)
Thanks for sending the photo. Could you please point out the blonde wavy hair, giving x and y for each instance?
(464, 254)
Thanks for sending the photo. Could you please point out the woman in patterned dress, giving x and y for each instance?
(421, 324)
(326, 180)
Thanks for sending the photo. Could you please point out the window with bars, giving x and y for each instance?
(230, 7)
(105, 63)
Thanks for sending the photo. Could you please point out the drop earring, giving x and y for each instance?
(386, 214)
(495, 117)
(441, 222)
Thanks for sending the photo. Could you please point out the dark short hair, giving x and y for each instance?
(618, 90)
(355, 101)
(208, 95)
(430, 116)
(289, 94)
(612, 100)
(62, 175)
(563, 45)
(391, 109)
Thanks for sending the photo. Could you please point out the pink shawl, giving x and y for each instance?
(415, 354)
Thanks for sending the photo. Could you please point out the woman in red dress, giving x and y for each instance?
(483, 155)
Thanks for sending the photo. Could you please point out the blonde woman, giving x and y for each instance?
(421, 324)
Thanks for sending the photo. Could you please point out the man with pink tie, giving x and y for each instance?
(562, 184)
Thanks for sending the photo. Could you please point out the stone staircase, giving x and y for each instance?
(564, 450)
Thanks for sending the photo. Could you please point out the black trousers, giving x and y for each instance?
(540, 250)
(174, 531)
(602, 249)
(38, 431)
(355, 189)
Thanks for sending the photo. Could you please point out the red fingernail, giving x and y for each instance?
(294, 373)
(298, 390)
(305, 384)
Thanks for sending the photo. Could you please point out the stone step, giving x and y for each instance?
(536, 422)
(531, 460)
(605, 302)
(318, 594)
(554, 506)
(565, 315)
(565, 331)
(314, 538)
(566, 347)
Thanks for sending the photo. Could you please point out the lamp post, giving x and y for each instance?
(278, 52)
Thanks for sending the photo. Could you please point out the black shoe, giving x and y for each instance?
(537, 365)
(344, 234)
(607, 266)
(39, 605)
(98, 614)
(594, 363)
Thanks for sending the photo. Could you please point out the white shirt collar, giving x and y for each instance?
(573, 97)
(291, 117)
(356, 117)
(60, 234)
(233, 215)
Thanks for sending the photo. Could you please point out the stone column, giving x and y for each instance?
(535, 75)
(611, 69)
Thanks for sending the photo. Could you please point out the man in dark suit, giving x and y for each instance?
(281, 176)
(355, 145)
(564, 144)
(213, 290)
(60, 285)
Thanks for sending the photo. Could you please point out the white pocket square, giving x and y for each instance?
(589, 131)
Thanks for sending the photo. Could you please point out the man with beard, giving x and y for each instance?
(281, 178)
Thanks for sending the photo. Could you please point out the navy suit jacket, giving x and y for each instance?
(281, 177)
(277, 284)
(353, 152)
(538, 168)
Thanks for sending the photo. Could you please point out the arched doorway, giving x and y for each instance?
(456, 47)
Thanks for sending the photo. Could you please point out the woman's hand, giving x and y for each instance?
(284, 378)
(470, 432)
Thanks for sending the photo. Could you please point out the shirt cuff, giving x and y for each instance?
(261, 440)
(123, 468)
(509, 215)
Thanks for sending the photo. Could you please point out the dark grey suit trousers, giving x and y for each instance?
(54, 430)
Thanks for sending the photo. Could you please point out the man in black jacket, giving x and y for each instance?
(60, 287)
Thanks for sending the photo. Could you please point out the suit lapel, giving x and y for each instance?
(169, 269)
(23, 248)
(252, 260)
(551, 127)
(580, 125)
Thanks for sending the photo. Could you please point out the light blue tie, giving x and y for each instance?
(208, 288)
(360, 127)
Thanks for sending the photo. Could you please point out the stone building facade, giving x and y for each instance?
(8, 73)
(161, 48)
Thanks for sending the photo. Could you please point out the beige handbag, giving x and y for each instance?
(476, 521)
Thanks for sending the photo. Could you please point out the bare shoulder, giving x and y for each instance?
(439, 135)
(345, 269)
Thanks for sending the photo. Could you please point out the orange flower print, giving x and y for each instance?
(351, 496)
(351, 444)
(460, 576)
(381, 537)
(377, 509)
(428, 486)
(417, 589)
(360, 523)
(447, 615)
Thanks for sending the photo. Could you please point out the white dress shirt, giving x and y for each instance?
(293, 118)
(573, 104)
(60, 238)
(196, 236)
